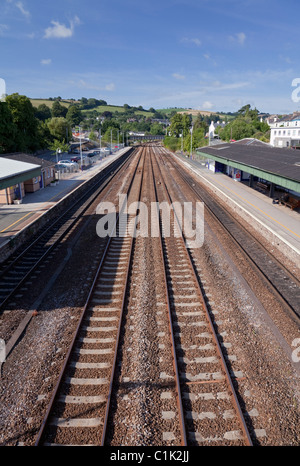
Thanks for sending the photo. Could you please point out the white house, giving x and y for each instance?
(285, 132)
(212, 128)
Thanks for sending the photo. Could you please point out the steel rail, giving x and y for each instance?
(43, 236)
(215, 337)
(55, 392)
(106, 416)
(175, 363)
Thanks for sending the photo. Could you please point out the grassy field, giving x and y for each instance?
(49, 103)
(167, 111)
(116, 108)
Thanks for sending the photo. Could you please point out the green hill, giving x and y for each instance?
(48, 102)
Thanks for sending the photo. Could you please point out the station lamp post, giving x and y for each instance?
(58, 151)
(191, 141)
(81, 162)
(181, 135)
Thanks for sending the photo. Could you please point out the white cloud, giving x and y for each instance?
(240, 38)
(61, 31)
(192, 41)
(207, 105)
(178, 76)
(24, 12)
(87, 85)
(46, 61)
(220, 86)
(110, 87)
(209, 58)
(3, 29)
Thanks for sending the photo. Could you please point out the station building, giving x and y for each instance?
(285, 131)
(23, 173)
(255, 162)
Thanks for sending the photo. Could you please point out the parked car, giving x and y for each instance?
(75, 159)
(67, 162)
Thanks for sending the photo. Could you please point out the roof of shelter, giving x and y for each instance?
(22, 157)
(278, 161)
(14, 172)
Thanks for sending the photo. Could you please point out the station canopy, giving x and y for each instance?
(276, 165)
(13, 172)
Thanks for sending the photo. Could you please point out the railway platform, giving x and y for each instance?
(13, 218)
(278, 220)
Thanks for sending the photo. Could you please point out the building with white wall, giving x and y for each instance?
(285, 132)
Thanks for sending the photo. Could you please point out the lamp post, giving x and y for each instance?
(100, 141)
(181, 135)
(80, 147)
(191, 141)
(58, 151)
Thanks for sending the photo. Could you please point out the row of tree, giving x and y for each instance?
(186, 134)
(246, 125)
(23, 129)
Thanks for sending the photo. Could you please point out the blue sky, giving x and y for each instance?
(208, 55)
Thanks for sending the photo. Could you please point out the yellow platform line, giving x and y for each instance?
(257, 208)
(40, 208)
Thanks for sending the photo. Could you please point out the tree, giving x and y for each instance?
(58, 110)
(57, 144)
(110, 133)
(59, 128)
(74, 115)
(246, 125)
(107, 114)
(23, 116)
(180, 124)
(8, 129)
(43, 112)
(156, 128)
(44, 135)
(109, 124)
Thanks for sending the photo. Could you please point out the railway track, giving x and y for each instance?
(79, 407)
(284, 284)
(80, 410)
(202, 363)
(18, 268)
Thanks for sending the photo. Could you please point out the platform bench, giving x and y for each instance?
(291, 202)
(262, 187)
